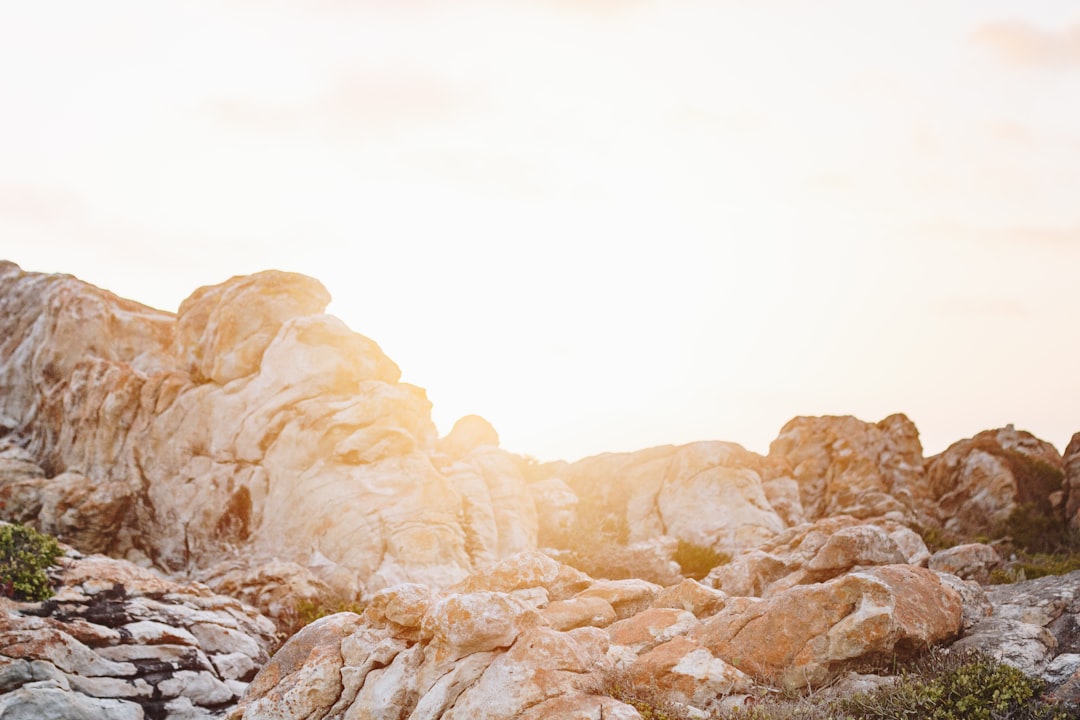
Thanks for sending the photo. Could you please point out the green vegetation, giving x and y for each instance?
(697, 560)
(308, 611)
(938, 686)
(24, 555)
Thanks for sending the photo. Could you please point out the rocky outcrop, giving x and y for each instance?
(663, 491)
(1034, 626)
(807, 635)
(529, 632)
(979, 482)
(119, 641)
(817, 552)
(844, 465)
(247, 428)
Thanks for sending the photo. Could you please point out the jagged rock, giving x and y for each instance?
(118, 640)
(816, 552)
(1032, 623)
(845, 465)
(805, 635)
(972, 561)
(977, 483)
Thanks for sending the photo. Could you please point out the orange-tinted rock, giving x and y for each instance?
(688, 673)
(845, 465)
(805, 635)
(816, 552)
(691, 595)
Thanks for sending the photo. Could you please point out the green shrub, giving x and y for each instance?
(306, 612)
(959, 686)
(24, 555)
(697, 560)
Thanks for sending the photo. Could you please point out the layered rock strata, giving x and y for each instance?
(119, 641)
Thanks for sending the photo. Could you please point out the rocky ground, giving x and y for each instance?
(225, 474)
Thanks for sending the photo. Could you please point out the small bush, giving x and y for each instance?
(962, 686)
(24, 555)
(697, 561)
(306, 612)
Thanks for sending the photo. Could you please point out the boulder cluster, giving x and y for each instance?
(223, 474)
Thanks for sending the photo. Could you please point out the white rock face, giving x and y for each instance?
(709, 494)
(245, 430)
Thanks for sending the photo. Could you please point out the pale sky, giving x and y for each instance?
(601, 224)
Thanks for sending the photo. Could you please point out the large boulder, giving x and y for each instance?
(978, 483)
(121, 641)
(845, 465)
(809, 634)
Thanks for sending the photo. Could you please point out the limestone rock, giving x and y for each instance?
(247, 420)
(816, 552)
(807, 634)
(972, 561)
(122, 641)
(692, 596)
(707, 493)
(688, 673)
(845, 465)
(977, 483)
(1032, 623)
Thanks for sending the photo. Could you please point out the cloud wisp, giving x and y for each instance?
(1019, 43)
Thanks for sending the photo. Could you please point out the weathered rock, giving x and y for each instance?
(816, 552)
(708, 493)
(651, 627)
(117, 640)
(806, 635)
(247, 420)
(972, 561)
(978, 483)
(845, 465)
(685, 672)
(1032, 623)
(691, 595)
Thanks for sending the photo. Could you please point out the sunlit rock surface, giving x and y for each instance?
(488, 649)
(249, 427)
(118, 641)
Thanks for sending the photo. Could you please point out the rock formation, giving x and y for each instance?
(529, 632)
(257, 445)
(979, 482)
(119, 641)
(247, 428)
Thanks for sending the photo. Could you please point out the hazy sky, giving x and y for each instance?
(601, 224)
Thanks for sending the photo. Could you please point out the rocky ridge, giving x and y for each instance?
(259, 446)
